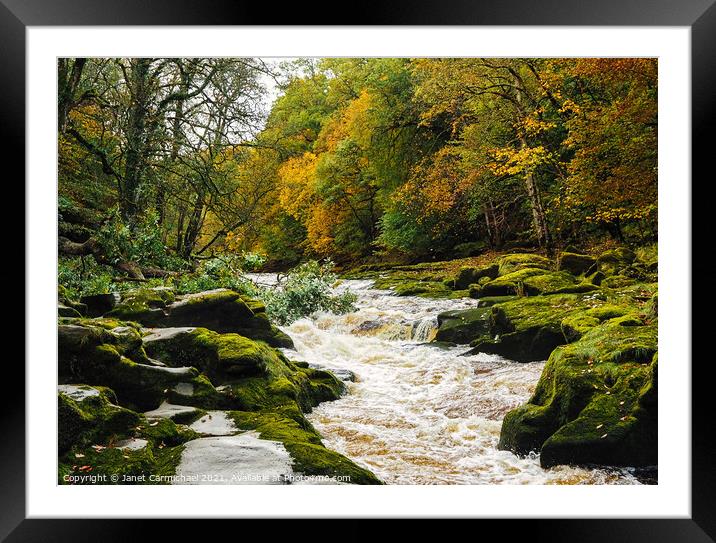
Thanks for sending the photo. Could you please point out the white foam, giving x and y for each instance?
(419, 414)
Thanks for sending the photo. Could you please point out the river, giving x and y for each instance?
(417, 413)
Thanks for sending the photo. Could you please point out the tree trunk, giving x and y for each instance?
(539, 219)
(136, 137)
(68, 81)
(193, 226)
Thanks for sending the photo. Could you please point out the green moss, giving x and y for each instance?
(607, 311)
(534, 281)
(166, 432)
(575, 326)
(618, 281)
(529, 328)
(463, 326)
(488, 301)
(92, 419)
(585, 407)
(219, 356)
(469, 275)
(153, 464)
(514, 262)
(303, 443)
(575, 263)
(93, 355)
(611, 262)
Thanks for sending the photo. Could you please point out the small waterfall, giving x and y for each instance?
(425, 329)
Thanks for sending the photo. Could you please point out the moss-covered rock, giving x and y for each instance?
(613, 261)
(575, 326)
(66, 311)
(469, 275)
(575, 263)
(303, 443)
(255, 375)
(514, 262)
(220, 356)
(463, 326)
(595, 402)
(88, 415)
(618, 281)
(526, 329)
(534, 281)
(93, 355)
(220, 310)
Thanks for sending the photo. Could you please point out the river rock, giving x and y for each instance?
(595, 402)
(234, 460)
(575, 263)
(462, 326)
(214, 423)
(220, 310)
(469, 275)
(613, 261)
(527, 329)
(176, 413)
(96, 356)
(88, 415)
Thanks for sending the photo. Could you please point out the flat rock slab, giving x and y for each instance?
(234, 460)
(215, 423)
(160, 334)
(78, 392)
(170, 411)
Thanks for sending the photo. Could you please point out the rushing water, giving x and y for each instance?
(416, 413)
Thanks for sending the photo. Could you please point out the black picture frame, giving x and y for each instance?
(699, 15)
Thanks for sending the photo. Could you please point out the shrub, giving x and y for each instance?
(306, 289)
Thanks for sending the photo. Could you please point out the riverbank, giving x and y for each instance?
(594, 318)
(412, 387)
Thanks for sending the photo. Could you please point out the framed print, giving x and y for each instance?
(405, 268)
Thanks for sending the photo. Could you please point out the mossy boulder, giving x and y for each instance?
(526, 329)
(534, 281)
(618, 281)
(219, 356)
(469, 275)
(66, 311)
(575, 326)
(88, 415)
(220, 310)
(514, 262)
(96, 356)
(575, 263)
(303, 443)
(613, 261)
(255, 376)
(463, 326)
(595, 402)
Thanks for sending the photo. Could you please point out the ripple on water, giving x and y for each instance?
(418, 414)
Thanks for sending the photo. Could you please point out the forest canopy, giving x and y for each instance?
(167, 161)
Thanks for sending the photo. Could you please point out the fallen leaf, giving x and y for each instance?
(79, 455)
